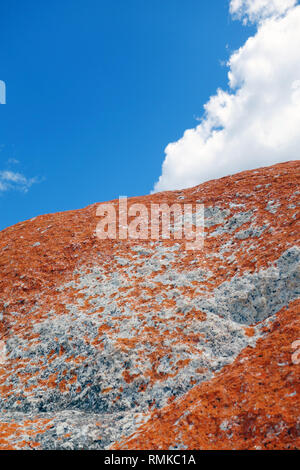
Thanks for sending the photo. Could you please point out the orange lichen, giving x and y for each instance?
(250, 404)
(31, 278)
(250, 332)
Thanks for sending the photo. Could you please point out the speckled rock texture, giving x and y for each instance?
(141, 344)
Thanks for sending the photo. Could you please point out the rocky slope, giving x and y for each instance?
(135, 344)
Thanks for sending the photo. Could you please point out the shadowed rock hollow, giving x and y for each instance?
(143, 344)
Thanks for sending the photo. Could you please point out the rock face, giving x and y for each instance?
(142, 344)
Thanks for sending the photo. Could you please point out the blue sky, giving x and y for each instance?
(96, 89)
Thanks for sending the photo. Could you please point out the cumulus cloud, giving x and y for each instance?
(258, 10)
(256, 121)
(11, 180)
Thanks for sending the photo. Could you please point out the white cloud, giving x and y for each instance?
(258, 10)
(10, 180)
(257, 122)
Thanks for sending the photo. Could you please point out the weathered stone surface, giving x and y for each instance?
(142, 344)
